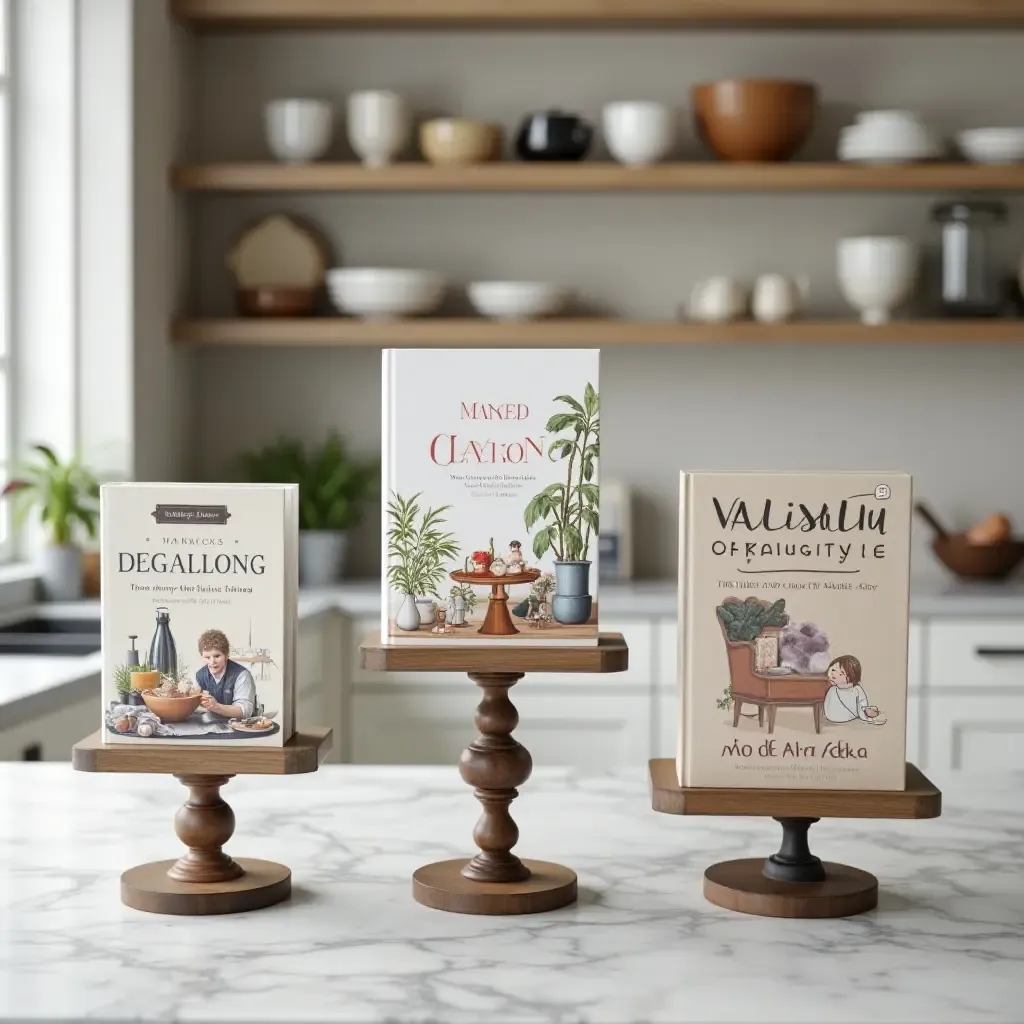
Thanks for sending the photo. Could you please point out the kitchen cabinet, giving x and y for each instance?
(319, 692)
(50, 737)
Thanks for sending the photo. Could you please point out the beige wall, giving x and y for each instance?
(950, 415)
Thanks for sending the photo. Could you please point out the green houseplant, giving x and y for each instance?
(333, 491)
(67, 496)
(568, 511)
(417, 552)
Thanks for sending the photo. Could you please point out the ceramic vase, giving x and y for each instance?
(426, 607)
(572, 602)
(61, 572)
(378, 126)
(321, 557)
(876, 274)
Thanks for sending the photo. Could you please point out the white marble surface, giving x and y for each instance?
(945, 944)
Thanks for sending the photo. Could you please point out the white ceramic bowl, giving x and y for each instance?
(876, 274)
(992, 145)
(516, 300)
(298, 130)
(639, 132)
(886, 141)
(381, 293)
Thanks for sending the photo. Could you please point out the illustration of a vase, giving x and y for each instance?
(408, 617)
(163, 654)
(572, 602)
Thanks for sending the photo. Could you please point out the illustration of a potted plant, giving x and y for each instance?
(417, 552)
(569, 510)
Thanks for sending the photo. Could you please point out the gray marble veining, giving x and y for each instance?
(945, 944)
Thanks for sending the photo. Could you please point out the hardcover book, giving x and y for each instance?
(490, 468)
(793, 620)
(199, 594)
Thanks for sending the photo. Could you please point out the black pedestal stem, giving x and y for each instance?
(794, 862)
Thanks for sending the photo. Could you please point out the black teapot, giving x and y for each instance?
(553, 135)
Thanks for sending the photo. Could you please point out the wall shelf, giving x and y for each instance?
(279, 14)
(596, 177)
(475, 333)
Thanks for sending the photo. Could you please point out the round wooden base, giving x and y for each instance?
(148, 887)
(443, 886)
(741, 885)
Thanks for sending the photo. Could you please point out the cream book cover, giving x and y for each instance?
(793, 623)
(490, 468)
(199, 594)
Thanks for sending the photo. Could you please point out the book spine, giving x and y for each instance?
(682, 598)
(387, 463)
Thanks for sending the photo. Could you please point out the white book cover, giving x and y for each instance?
(199, 594)
(794, 596)
(490, 466)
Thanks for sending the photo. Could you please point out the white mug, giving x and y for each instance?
(378, 126)
(778, 298)
(638, 133)
(298, 130)
(717, 300)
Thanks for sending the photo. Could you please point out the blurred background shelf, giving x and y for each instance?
(596, 177)
(273, 14)
(471, 332)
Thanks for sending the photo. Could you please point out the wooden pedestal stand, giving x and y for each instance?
(792, 882)
(205, 880)
(495, 881)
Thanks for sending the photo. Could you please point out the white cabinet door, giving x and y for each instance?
(976, 653)
(592, 727)
(51, 737)
(915, 730)
(968, 733)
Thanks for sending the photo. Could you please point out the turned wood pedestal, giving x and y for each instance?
(205, 880)
(495, 764)
(792, 882)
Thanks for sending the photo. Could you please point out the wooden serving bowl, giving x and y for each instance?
(171, 709)
(978, 561)
(754, 119)
(285, 302)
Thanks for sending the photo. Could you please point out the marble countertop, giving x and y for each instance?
(945, 944)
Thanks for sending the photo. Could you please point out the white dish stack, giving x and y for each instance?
(887, 137)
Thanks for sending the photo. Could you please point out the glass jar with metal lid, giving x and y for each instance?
(970, 284)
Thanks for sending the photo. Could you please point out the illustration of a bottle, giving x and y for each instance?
(163, 654)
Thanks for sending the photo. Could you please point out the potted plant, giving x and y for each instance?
(569, 510)
(417, 552)
(131, 680)
(67, 495)
(333, 491)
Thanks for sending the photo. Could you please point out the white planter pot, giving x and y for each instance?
(427, 608)
(61, 572)
(408, 616)
(321, 557)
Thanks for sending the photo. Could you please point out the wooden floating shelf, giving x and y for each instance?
(596, 177)
(474, 333)
(279, 14)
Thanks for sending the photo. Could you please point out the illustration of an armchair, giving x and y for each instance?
(770, 691)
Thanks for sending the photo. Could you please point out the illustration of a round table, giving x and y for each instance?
(497, 621)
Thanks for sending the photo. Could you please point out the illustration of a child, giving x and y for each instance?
(846, 700)
(228, 688)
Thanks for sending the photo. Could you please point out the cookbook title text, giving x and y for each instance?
(460, 449)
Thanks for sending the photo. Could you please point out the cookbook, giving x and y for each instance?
(490, 462)
(199, 595)
(793, 622)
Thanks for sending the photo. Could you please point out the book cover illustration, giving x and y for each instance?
(490, 467)
(198, 583)
(794, 592)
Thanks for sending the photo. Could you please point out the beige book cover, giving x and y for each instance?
(199, 594)
(793, 620)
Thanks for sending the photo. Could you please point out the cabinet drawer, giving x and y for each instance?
(976, 654)
(975, 734)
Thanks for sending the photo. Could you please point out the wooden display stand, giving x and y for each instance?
(205, 880)
(792, 882)
(495, 881)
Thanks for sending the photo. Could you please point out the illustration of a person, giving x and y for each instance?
(228, 687)
(846, 700)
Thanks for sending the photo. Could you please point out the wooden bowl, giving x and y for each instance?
(978, 561)
(171, 709)
(458, 141)
(749, 119)
(284, 302)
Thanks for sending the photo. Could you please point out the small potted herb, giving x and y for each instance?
(124, 679)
